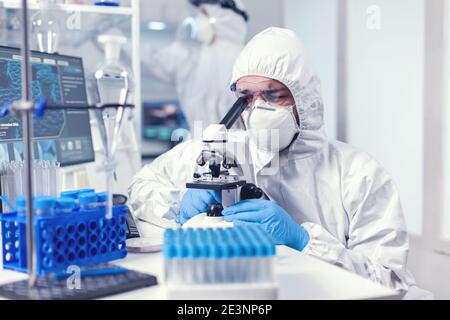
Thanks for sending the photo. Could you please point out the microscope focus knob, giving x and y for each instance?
(251, 191)
(214, 210)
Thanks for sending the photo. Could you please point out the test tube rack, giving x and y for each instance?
(79, 238)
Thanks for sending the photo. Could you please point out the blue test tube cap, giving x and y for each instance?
(237, 247)
(209, 235)
(87, 198)
(21, 202)
(231, 242)
(264, 241)
(65, 203)
(44, 202)
(260, 250)
(193, 251)
(181, 250)
(255, 242)
(102, 196)
(263, 248)
(203, 251)
(214, 251)
(169, 251)
(269, 246)
(169, 235)
(225, 250)
(230, 234)
(271, 249)
(200, 236)
(85, 191)
(189, 233)
(244, 246)
(179, 233)
(70, 194)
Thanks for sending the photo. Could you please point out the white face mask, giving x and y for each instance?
(204, 28)
(272, 128)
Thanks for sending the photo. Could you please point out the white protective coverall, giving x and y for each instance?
(344, 199)
(201, 71)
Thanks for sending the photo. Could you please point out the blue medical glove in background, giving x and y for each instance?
(196, 201)
(275, 221)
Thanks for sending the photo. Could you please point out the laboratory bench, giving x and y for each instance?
(300, 277)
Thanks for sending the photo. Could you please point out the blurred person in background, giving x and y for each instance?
(200, 61)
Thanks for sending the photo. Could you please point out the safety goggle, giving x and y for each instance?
(276, 96)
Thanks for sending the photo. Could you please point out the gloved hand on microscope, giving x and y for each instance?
(272, 218)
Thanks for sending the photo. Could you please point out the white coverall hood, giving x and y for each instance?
(278, 54)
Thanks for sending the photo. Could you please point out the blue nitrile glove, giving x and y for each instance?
(196, 201)
(275, 221)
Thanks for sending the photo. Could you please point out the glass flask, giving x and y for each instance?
(45, 27)
(114, 86)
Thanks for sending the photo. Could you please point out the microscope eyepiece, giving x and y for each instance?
(233, 115)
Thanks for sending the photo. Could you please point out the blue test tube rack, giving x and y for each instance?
(79, 238)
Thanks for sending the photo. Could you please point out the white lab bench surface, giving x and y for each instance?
(300, 277)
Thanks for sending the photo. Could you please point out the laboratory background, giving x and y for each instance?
(384, 67)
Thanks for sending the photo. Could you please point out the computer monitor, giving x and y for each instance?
(164, 126)
(61, 135)
(161, 119)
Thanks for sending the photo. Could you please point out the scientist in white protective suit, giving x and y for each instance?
(200, 61)
(324, 198)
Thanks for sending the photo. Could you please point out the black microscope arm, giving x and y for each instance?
(236, 110)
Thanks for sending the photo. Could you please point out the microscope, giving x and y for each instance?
(215, 154)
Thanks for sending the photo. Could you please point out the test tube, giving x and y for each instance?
(44, 205)
(34, 169)
(38, 178)
(88, 201)
(169, 255)
(45, 177)
(3, 182)
(73, 195)
(268, 253)
(21, 207)
(234, 256)
(255, 255)
(10, 182)
(13, 182)
(65, 205)
(177, 264)
(102, 198)
(57, 177)
(85, 191)
(20, 178)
